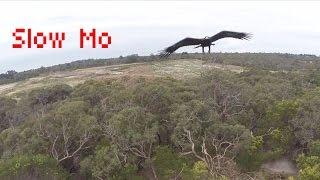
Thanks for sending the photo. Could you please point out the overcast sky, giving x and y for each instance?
(142, 27)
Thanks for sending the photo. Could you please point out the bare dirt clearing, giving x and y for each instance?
(175, 68)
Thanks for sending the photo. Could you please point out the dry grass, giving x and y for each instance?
(175, 68)
(188, 68)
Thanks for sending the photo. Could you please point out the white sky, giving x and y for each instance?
(144, 27)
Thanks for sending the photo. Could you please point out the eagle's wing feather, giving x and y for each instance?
(184, 42)
(226, 34)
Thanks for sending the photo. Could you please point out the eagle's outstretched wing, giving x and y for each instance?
(184, 42)
(225, 34)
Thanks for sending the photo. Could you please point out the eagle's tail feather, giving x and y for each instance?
(164, 54)
(247, 36)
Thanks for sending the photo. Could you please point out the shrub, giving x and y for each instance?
(31, 167)
(309, 167)
(169, 165)
(315, 148)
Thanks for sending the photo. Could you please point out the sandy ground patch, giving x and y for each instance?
(6, 87)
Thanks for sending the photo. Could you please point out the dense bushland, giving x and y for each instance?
(221, 125)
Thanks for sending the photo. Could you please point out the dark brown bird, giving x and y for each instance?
(205, 42)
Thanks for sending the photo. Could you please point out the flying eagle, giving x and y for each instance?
(205, 42)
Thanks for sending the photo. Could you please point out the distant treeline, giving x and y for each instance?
(269, 61)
